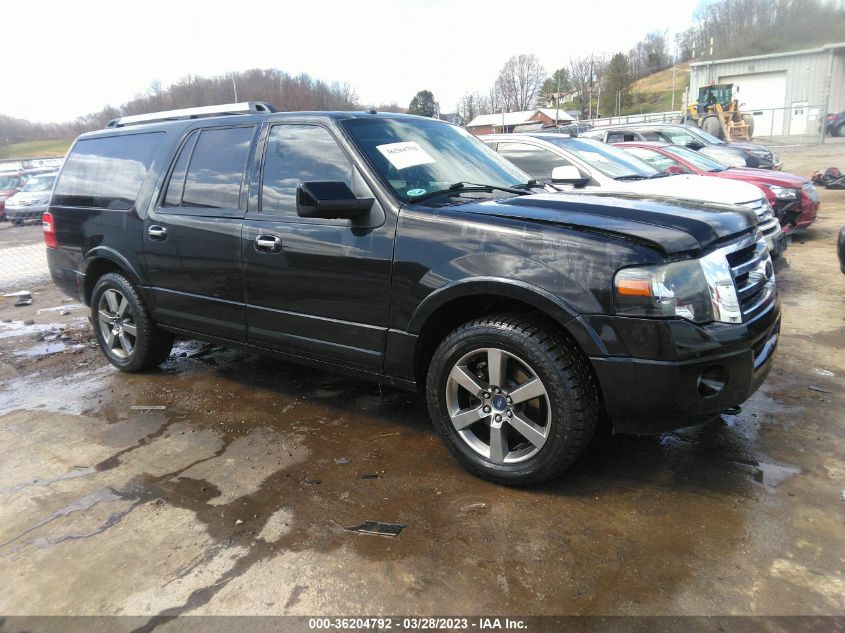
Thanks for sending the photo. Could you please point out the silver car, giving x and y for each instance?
(32, 200)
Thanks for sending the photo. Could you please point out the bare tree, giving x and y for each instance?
(520, 81)
(470, 106)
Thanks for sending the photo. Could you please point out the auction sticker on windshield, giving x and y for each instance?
(405, 154)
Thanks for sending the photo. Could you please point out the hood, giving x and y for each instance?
(765, 176)
(745, 145)
(692, 187)
(665, 224)
(23, 198)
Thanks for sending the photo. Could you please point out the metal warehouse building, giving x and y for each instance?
(788, 93)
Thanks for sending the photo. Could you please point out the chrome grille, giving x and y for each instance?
(766, 220)
(753, 275)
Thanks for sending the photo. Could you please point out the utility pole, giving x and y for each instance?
(590, 91)
(557, 97)
(234, 87)
(673, 88)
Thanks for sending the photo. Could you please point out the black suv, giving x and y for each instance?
(403, 250)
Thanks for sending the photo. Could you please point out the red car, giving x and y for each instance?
(10, 183)
(794, 198)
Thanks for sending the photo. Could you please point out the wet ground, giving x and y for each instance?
(222, 484)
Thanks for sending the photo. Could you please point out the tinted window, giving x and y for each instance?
(216, 168)
(536, 161)
(657, 160)
(609, 160)
(300, 153)
(107, 172)
(679, 137)
(176, 185)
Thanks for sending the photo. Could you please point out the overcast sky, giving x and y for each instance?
(70, 57)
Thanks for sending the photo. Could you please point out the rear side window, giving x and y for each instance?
(107, 172)
(210, 169)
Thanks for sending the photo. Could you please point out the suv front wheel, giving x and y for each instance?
(125, 331)
(514, 400)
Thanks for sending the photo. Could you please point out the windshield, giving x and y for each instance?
(702, 162)
(609, 160)
(416, 156)
(8, 182)
(706, 136)
(655, 159)
(39, 183)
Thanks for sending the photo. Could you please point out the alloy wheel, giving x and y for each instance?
(498, 405)
(117, 324)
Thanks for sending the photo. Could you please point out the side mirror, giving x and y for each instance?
(674, 170)
(329, 200)
(694, 145)
(568, 175)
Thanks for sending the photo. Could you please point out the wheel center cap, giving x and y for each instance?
(499, 402)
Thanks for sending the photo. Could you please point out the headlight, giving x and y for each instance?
(699, 290)
(784, 193)
(759, 153)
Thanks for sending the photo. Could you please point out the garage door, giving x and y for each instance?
(760, 92)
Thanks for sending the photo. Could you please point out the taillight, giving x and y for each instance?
(49, 228)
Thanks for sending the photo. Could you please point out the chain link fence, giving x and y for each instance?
(25, 188)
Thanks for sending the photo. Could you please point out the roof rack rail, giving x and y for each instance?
(245, 107)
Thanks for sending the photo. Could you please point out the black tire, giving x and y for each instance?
(839, 130)
(17, 222)
(749, 120)
(712, 126)
(151, 345)
(571, 392)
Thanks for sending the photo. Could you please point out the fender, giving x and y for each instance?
(108, 253)
(559, 310)
(533, 295)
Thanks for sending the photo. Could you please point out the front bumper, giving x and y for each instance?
(25, 214)
(777, 243)
(667, 373)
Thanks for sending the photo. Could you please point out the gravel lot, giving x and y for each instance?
(233, 497)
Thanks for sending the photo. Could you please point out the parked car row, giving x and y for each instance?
(524, 305)
(12, 183)
(731, 153)
(584, 163)
(793, 198)
(680, 149)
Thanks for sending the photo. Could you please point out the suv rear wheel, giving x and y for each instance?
(125, 331)
(514, 401)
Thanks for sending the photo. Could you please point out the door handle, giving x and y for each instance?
(268, 243)
(157, 232)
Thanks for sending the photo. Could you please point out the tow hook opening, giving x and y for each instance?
(712, 381)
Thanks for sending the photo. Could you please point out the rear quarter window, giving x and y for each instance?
(107, 172)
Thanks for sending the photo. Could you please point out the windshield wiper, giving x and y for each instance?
(530, 184)
(631, 177)
(461, 187)
(660, 174)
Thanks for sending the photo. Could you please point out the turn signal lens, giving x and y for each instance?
(633, 287)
